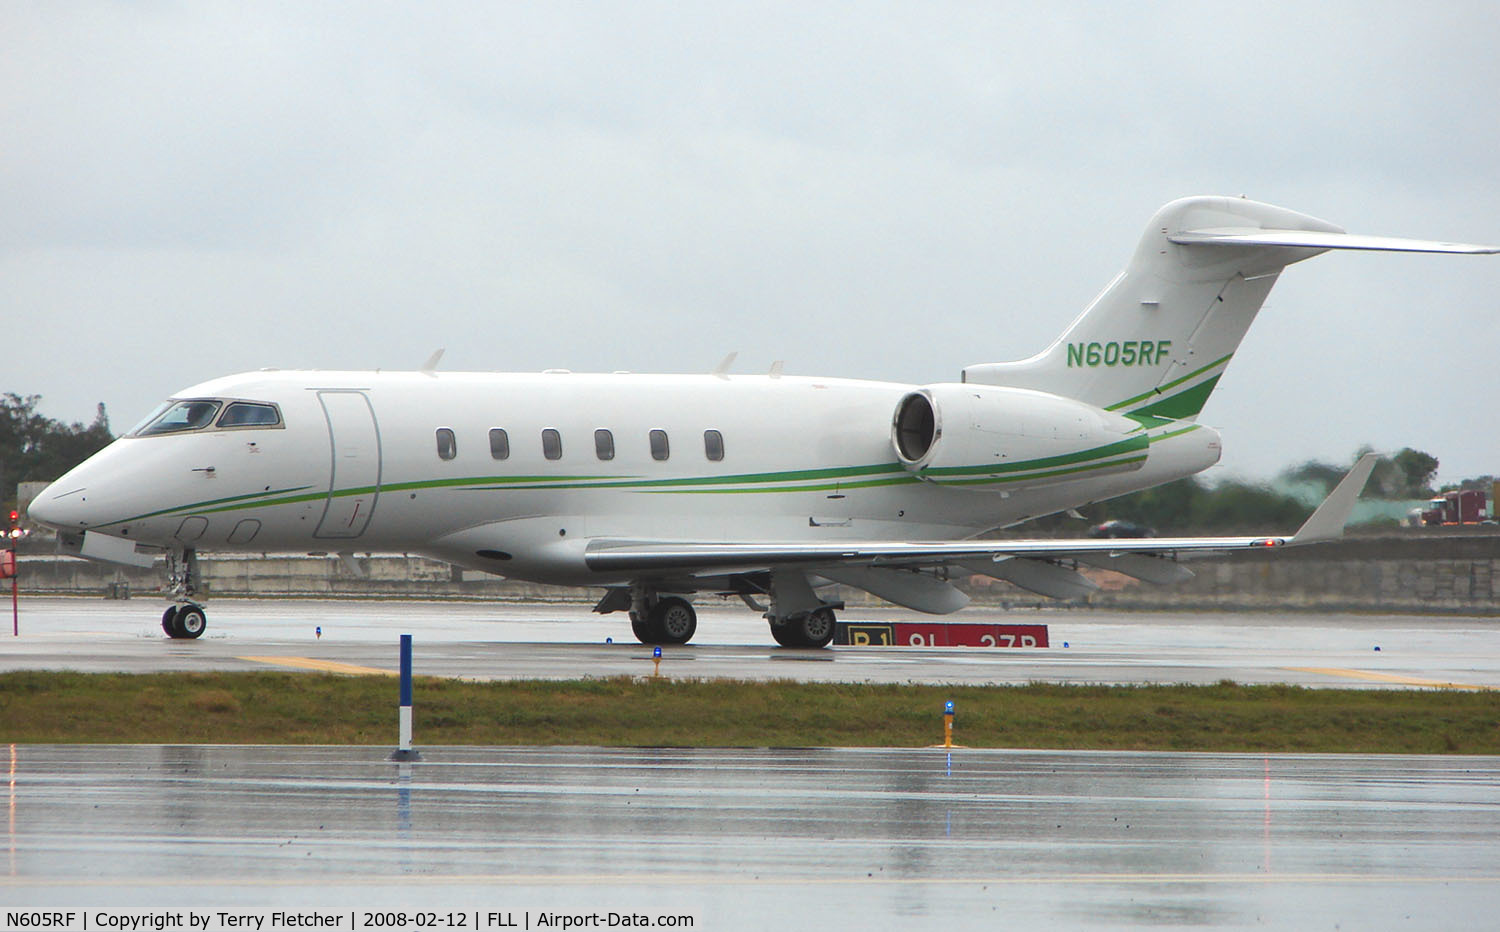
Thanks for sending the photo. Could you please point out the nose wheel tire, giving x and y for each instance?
(184, 621)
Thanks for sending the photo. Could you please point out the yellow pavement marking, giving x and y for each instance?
(327, 666)
(1388, 678)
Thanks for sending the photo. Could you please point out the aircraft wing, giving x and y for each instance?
(607, 555)
(614, 555)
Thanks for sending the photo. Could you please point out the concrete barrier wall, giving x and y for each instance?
(1467, 586)
(1404, 574)
(297, 577)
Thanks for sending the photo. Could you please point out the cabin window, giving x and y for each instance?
(713, 445)
(604, 444)
(176, 417)
(499, 444)
(659, 448)
(447, 446)
(250, 414)
(551, 444)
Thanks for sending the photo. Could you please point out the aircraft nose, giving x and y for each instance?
(59, 508)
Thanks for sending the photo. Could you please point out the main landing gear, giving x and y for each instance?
(798, 617)
(186, 618)
(810, 629)
(670, 620)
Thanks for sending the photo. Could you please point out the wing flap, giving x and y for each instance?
(1039, 576)
(916, 591)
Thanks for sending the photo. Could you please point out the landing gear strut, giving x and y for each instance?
(186, 618)
(798, 617)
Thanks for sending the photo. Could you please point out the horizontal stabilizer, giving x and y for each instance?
(1199, 276)
(1315, 239)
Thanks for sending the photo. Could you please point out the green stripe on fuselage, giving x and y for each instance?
(252, 499)
(799, 480)
(1130, 444)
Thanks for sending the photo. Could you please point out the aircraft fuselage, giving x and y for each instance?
(414, 462)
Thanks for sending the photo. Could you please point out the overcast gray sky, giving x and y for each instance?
(870, 190)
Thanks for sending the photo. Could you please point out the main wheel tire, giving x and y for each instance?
(786, 635)
(169, 621)
(191, 621)
(641, 628)
(674, 620)
(816, 630)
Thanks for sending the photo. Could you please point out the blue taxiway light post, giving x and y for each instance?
(405, 752)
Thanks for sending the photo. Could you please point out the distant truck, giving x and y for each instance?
(1458, 507)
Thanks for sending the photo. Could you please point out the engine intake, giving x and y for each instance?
(992, 437)
(915, 428)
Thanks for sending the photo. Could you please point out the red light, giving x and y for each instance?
(14, 516)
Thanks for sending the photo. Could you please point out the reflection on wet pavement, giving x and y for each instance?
(745, 838)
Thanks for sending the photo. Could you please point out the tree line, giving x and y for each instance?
(1194, 505)
(36, 448)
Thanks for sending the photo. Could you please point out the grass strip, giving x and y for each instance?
(294, 708)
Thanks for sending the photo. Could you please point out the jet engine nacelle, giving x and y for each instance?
(995, 438)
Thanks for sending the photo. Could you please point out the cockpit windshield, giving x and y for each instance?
(250, 414)
(178, 417)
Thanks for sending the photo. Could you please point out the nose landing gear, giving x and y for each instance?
(185, 619)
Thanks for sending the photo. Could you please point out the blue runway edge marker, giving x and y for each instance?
(405, 752)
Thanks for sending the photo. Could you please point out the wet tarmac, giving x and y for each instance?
(742, 839)
(492, 641)
(749, 839)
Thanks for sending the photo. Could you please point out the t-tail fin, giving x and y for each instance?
(1155, 343)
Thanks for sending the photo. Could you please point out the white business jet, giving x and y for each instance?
(769, 487)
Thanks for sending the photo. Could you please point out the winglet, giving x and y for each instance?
(721, 371)
(430, 366)
(1327, 522)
